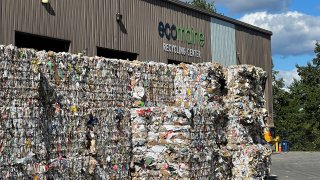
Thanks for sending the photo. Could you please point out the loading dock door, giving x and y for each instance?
(111, 53)
(27, 40)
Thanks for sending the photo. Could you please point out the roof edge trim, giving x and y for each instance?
(219, 16)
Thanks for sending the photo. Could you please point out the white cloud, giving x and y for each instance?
(245, 6)
(294, 33)
(288, 76)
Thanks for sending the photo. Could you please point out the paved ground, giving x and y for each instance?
(295, 166)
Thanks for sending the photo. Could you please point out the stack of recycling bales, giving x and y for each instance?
(246, 120)
(65, 115)
(108, 119)
(61, 125)
(19, 113)
(63, 107)
(82, 94)
(199, 89)
(198, 98)
(152, 94)
(61, 136)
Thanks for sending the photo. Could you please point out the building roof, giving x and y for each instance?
(218, 16)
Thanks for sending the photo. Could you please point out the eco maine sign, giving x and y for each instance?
(184, 35)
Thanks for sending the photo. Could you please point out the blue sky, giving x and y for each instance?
(295, 25)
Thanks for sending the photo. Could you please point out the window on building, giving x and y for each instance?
(111, 53)
(27, 40)
(171, 61)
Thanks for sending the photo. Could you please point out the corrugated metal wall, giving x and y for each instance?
(255, 48)
(141, 19)
(2, 28)
(88, 24)
(223, 42)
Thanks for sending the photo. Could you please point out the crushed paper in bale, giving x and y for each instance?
(64, 116)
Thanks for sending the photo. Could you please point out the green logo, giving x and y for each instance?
(186, 35)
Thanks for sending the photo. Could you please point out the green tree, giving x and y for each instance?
(203, 4)
(280, 103)
(298, 119)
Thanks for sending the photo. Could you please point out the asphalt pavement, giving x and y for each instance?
(295, 166)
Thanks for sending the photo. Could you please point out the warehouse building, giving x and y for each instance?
(166, 31)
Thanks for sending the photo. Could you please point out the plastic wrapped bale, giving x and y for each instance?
(152, 84)
(20, 139)
(165, 152)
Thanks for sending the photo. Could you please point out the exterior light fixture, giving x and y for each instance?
(118, 17)
(45, 1)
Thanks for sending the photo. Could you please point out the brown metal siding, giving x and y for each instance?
(2, 28)
(88, 24)
(141, 18)
(255, 48)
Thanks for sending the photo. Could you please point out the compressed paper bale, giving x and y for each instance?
(251, 162)
(247, 115)
(63, 114)
(19, 113)
(63, 131)
(197, 85)
(184, 82)
(166, 152)
(109, 82)
(246, 112)
(86, 91)
(165, 143)
(205, 142)
(113, 143)
(152, 84)
(212, 81)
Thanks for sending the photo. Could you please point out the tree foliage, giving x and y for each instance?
(297, 112)
(203, 4)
